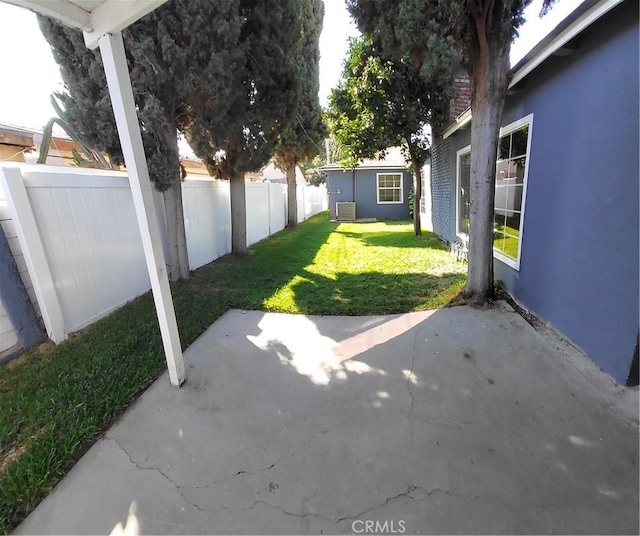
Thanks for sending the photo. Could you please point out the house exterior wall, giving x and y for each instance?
(365, 192)
(443, 190)
(579, 256)
(339, 188)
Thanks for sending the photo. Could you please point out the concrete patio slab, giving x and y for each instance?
(456, 421)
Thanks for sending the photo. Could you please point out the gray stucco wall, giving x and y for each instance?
(579, 258)
(442, 195)
(366, 194)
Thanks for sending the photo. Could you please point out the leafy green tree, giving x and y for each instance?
(261, 102)
(177, 55)
(441, 35)
(302, 140)
(312, 170)
(381, 102)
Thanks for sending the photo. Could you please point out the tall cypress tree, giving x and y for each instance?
(262, 99)
(303, 139)
(177, 55)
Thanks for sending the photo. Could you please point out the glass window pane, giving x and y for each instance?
(510, 247)
(498, 222)
(501, 198)
(515, 193)
(464, 167)
(503, 147)
(512, 224)
(502, 172)
(498, 240)
(519, 142)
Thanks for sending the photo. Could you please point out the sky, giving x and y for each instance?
(29, 73)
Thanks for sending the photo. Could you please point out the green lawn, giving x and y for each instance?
(57, 400)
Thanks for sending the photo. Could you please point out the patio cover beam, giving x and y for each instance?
(116, 70)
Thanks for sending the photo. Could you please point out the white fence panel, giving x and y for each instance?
(277, 207)
(12, 238)
(91, 245)
(311, 200)
(257, 202)
(300, 196)
(207, 217)
(89, 232)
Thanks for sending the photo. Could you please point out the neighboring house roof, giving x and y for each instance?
(194, 166)
(271, 173)
(13, 135)
(393, 159)
(578, 20)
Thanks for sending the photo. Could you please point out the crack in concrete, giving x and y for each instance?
(410, 377)
(111, 440)
(275, 506)
(407, 494)
(116, 444)
(262, 469)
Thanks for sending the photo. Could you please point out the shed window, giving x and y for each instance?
(389, 188)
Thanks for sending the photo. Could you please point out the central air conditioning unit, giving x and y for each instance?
(346, 211)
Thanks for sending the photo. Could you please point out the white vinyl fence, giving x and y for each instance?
(77, 232)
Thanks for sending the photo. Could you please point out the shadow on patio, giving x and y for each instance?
(453, 421)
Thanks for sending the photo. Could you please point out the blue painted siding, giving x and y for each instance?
(579, 258)
(579, 264)
(366, 198)
(339, 187)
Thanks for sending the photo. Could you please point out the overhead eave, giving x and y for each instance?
(112, 17)
(460, 122)
(561, 36)
(96, 18)
(583, 17)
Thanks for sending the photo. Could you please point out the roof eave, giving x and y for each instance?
(578, 21)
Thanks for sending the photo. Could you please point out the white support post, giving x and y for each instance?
(115, 66)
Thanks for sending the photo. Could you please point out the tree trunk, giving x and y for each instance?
(238, 215)
(178, 256)
(490, 81)
(292, 194)
(417, 226)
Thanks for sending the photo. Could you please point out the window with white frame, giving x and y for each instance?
(423, 199)
(389, 188)
(510, 193)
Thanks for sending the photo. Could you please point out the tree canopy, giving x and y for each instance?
(442, 36)
(303, 139)
(177, 55)
(383, 102)
(261, 100)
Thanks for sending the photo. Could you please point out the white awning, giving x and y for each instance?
(95, 18)
(102, 22)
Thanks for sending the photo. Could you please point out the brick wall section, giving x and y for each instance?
(441, 188)
(462, 100)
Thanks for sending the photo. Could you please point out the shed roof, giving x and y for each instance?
(392, 160)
